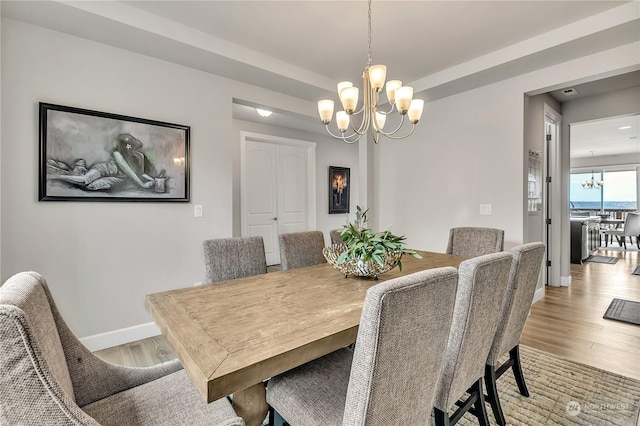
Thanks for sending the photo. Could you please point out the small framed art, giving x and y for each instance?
(339, 189)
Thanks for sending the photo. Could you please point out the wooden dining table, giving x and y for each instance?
(232, 335)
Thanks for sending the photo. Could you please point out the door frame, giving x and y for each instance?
(552, 204)
(311, 173)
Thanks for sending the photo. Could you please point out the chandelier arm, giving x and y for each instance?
(354, 137)
(388, 134)
(393, 104)
(391, 136)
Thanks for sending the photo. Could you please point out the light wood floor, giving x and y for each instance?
(567, 322)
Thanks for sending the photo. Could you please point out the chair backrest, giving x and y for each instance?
(399, 350)
(482, 283)
(299, 249)
(523, 279)
(632, 224)
(336, 238)
(472, 241)
(231, 258)
(35, 384)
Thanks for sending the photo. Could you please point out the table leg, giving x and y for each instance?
(251, 404)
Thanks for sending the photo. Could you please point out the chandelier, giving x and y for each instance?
(592, 183)
(399, 97)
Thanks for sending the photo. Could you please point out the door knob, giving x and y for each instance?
(275, 218)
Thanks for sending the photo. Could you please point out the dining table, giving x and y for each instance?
(233, 335)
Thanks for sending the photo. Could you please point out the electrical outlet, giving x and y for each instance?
(485, 209)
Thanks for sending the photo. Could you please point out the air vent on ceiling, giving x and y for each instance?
(569, 92)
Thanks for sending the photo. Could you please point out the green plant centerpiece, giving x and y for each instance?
(367, 253)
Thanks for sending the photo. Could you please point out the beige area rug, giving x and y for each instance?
(563, 392)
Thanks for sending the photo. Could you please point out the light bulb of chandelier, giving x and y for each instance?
(349, 99)
(415, 110)
(403, 98)
(599, 182)
(344, 84)
(380, 120)
(325, 109)
(377, 75)
(392, 85)
(342, 120)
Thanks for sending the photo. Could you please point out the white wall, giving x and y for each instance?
(101, 259)
(329, 152)
(453, 163)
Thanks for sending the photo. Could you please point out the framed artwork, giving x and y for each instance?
(97, 156)
(338, 189)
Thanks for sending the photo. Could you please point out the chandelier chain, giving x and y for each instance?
(369, 37)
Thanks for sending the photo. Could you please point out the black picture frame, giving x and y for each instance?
(339, 194)
(89, 155)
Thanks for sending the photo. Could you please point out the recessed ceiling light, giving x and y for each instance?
(264, 112)
(624, 127)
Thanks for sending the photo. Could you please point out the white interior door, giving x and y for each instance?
(292, 189)
(278, 189)
(261, 190)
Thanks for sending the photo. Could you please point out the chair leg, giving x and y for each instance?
(441, 418)
(514, 354)
(492, 394)
(479, 407)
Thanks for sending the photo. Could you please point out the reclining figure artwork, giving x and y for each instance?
(127, 164)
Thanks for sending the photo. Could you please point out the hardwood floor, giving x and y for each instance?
(567, 322)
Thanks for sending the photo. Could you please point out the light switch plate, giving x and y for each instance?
(485, 209)
(197, 210)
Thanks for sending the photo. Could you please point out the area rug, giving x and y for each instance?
(623, 310)
(563, 392)
(636, 271)
(602, 259)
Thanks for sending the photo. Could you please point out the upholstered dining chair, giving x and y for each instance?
(472, 241)
(299, 249)
(49, 378)
(630, 229)
(336, 238)
(523, 279)
(231, 258)
(404, 328)
(482, 284)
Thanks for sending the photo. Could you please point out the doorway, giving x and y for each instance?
(277, 181)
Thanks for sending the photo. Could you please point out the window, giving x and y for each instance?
(617, 193)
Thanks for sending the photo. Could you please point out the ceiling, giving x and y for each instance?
(303, 48)
(607, 137)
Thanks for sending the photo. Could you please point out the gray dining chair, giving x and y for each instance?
(630, 229)
(336, 238)
(231, 258)
(299, 249)
(49, 378)
(482, 284)
(473, 241)
(404, 328)
(523, 279)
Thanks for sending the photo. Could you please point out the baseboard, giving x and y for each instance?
(565, 281)
(120, 337)
(538, 295)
